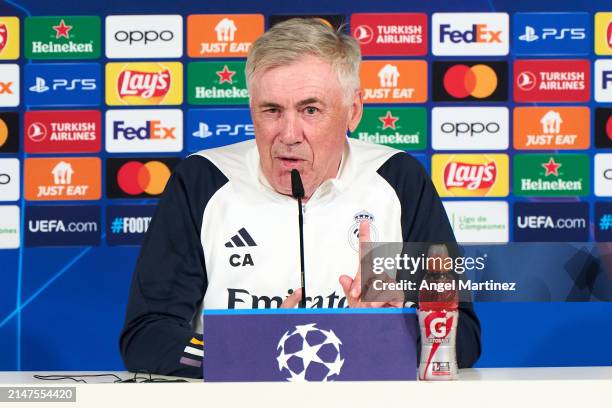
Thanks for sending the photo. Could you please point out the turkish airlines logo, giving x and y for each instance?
(62, 131)
(526, 81)
(551, 80)
(364, 34)
(391, 34)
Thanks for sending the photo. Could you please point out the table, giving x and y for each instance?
(491, 387)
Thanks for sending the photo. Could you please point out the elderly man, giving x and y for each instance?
(225, 233)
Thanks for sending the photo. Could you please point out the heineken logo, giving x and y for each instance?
(62, 30)
(551, 175)
(62, 37)
(226, 75)
(400, 128)
(217, 83)
(469, 175)
(552, 168)
(388, 121)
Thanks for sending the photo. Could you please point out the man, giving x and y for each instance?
(225, 232)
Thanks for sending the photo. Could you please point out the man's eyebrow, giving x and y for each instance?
(309, 101)
(266, 104)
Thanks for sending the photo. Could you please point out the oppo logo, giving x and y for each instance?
(4, 178)
(471, 128)
(607, 174)
(143, 36)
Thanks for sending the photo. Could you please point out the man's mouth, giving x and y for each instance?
(288, 162)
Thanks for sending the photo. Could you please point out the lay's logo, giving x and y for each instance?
(144, 83)
(465, 175)
(470, 176)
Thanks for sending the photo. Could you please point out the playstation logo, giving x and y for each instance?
(40, 86)
(203, 131)
(529, 35)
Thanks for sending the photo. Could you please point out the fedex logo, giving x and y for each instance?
(470, 34)
(152, 129)
(144, 130)
(479, 33)
(603, 80)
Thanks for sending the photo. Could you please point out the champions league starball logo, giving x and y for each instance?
(309, 354)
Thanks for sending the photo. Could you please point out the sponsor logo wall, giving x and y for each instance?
(504, 111)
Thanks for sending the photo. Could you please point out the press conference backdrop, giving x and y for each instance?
(506, 110)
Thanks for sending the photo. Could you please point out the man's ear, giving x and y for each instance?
(355, 111)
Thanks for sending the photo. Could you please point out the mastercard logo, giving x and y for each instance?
(475, 81)
(3, 132)
(135, 178)
(478, 81)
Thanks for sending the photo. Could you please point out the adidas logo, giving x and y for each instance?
(241, 239)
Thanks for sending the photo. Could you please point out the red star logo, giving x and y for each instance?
(62, 30)
(551, 167)
(226, 75)
(388, 120)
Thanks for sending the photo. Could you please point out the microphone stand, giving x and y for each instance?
(297, 190)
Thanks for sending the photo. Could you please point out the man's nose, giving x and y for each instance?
(291, 130)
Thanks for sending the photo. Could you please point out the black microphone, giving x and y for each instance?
(297, 191)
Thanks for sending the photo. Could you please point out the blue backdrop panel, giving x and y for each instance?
(63, 308)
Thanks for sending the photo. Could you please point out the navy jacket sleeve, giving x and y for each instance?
(424, 220)
(169, 281)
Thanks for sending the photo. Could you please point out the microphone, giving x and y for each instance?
(297, 191)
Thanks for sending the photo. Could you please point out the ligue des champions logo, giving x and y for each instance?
(309, 354)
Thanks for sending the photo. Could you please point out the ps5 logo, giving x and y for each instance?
(224, 129)
(530, 34)
(84, 84)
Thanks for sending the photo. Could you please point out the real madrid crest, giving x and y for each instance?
(353, 232)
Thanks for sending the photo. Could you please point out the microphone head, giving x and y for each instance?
(297, 188)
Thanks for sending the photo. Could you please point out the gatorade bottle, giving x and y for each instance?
(438, 316)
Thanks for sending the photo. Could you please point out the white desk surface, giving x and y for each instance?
(472, 374)
(481, 387)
